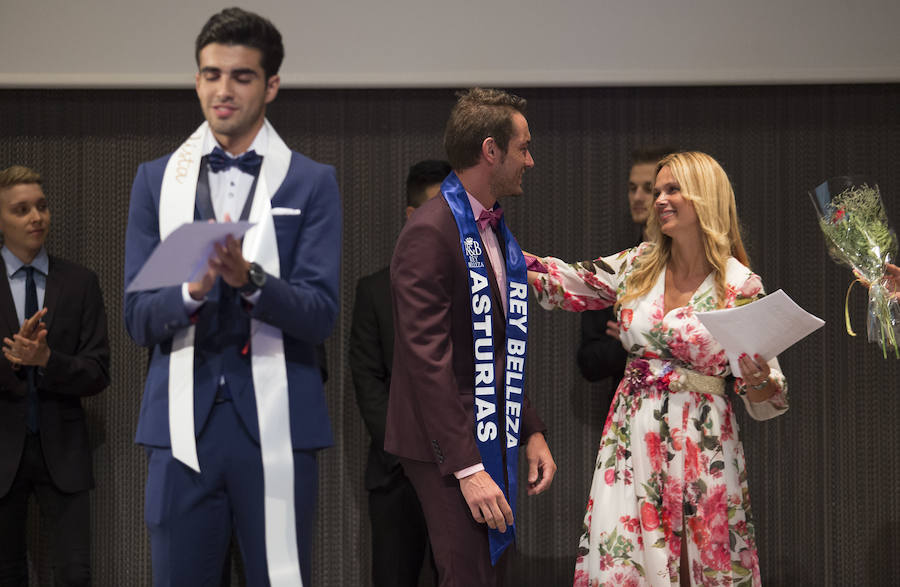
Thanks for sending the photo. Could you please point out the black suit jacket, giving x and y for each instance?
(600, 355)
(371, 357)
(78, 366)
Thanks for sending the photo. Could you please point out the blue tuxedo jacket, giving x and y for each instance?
(302, 302)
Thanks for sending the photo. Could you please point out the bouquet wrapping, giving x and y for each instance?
(853, 219)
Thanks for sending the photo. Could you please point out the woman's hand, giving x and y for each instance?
(755, 373)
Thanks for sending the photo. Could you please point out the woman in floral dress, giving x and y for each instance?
(669, 502)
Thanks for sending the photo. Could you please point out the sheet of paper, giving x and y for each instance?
(766, 327)
(183, 255)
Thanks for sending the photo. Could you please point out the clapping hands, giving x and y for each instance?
(29, 347)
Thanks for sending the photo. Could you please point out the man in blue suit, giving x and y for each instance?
(233, 411)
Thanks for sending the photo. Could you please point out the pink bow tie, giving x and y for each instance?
(491, 217)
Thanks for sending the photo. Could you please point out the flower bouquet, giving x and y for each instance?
(854, 222)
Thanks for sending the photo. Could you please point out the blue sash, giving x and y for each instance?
(486, 416)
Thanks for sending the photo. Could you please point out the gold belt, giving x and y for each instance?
(689, 380)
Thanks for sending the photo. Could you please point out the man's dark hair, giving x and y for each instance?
(423, 175)
(234, 26)
(650, 154)
(478, 114)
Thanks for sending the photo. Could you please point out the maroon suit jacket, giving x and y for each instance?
(430, 410)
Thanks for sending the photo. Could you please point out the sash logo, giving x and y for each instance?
(489, 416)
(184, 158)
(473, 252)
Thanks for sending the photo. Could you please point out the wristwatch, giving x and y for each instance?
(256, 278)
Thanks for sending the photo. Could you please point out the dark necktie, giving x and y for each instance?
(491, 217)
(31, 306)
(249, 162)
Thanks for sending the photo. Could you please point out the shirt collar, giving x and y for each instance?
(41, 262)
(476, 206)
(260, 143)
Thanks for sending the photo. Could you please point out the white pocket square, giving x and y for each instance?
(285, 211)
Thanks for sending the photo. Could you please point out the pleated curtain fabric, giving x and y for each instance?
(822, 477)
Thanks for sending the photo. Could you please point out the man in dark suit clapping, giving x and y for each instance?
(55, 351)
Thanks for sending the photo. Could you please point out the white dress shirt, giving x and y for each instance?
(228, 192)
(16, 278)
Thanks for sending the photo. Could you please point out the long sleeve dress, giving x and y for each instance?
(670, 466)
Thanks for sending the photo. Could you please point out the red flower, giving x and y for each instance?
(573, 303)
(748, 558)
(582, 579)
(609, 476)
(655, 450)
(625, 318)
(630, 524)
(713, 509)
(727, 428)
(606, 562)
(649, 516)
(837, 216)
(691, 461)
(752, 287)
(699, 532)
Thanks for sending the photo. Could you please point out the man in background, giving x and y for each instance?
(56, 351)
(399, 534)
(600, 353)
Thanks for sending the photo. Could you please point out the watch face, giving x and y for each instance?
(257, 275)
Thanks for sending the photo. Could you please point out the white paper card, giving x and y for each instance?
(766, 327)
(182, 257)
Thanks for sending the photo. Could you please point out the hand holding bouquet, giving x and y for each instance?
(854, 222)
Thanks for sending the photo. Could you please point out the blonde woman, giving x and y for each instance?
(669, 501)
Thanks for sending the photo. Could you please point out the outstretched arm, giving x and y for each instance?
(575, 287)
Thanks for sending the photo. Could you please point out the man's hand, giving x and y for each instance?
(229, 262)
(486, 501)
(612, 329)
(29, 347)
(199, 289)
(541, 467)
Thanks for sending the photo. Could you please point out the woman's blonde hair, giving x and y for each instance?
(704, 184)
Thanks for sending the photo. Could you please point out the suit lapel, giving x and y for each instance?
(203, 208)
(495, 288)
(52, 291)
(9, 306)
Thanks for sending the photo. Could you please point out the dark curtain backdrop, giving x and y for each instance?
(823, 478)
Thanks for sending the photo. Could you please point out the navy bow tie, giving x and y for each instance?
(491, 217)
(249, 162)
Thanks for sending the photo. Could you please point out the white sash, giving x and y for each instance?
(176, 206)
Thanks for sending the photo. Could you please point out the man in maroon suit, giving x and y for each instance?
(457, 410)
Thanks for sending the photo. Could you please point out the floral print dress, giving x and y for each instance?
(670, 471)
